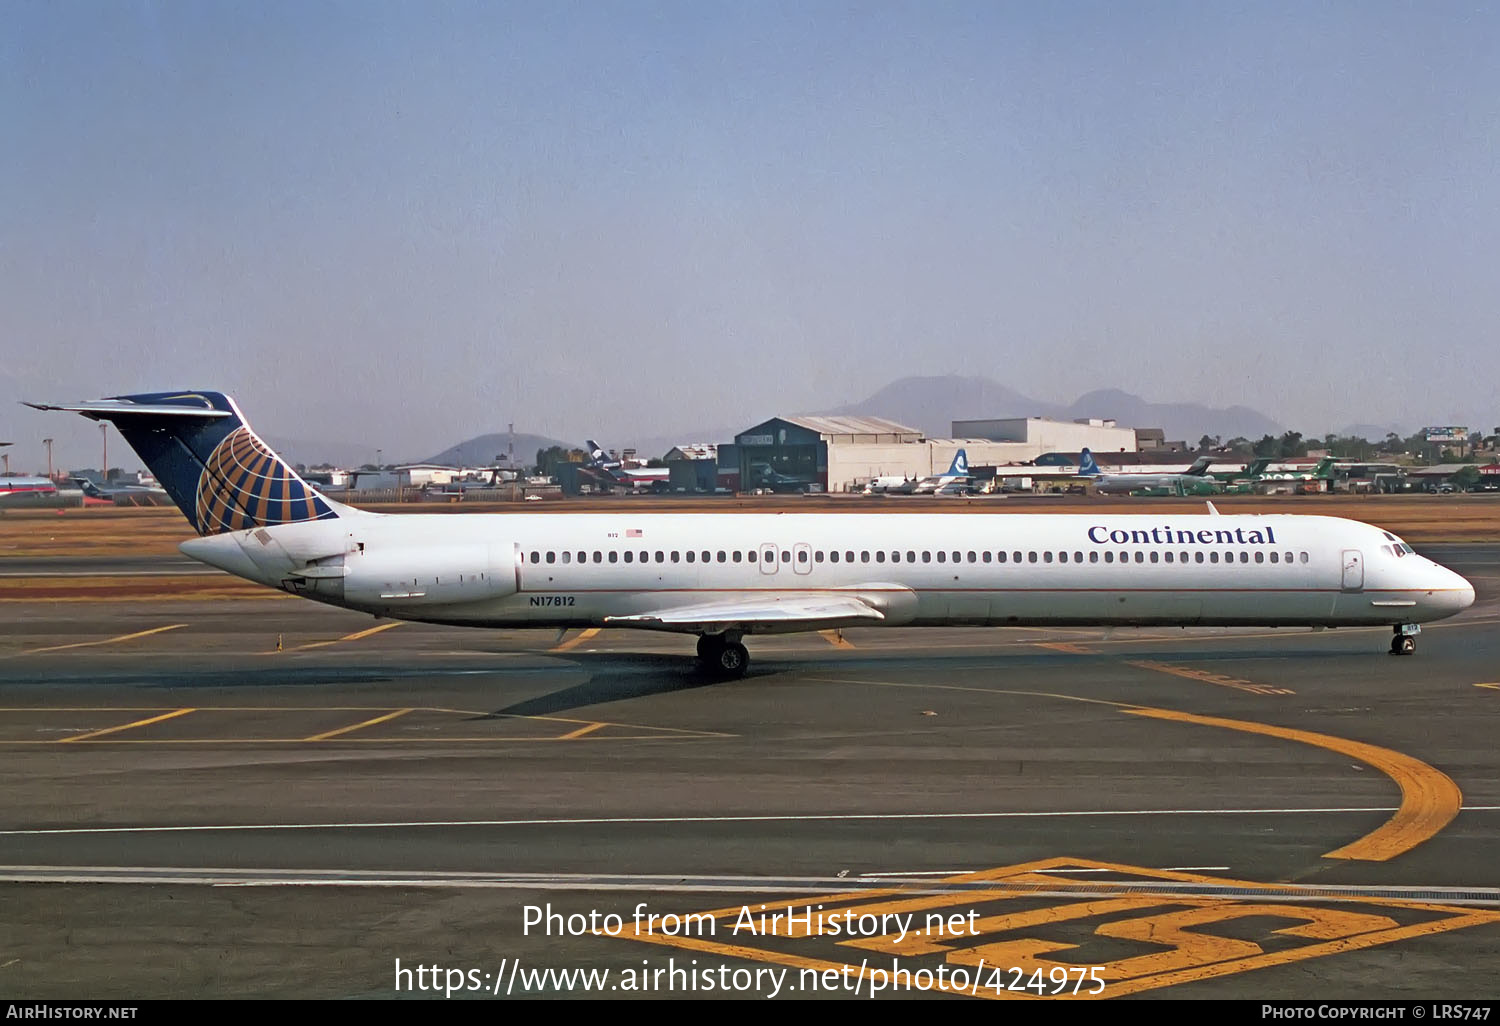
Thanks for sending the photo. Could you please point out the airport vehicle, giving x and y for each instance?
(626, 477)
(1189, 482)
(725, 576)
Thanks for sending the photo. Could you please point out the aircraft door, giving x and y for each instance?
(802, 558)
(768, 557)
(1354, 570)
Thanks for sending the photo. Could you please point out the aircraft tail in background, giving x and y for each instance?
(217, 471)
(1086, 465)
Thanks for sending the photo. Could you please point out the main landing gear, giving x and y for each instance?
(723, 655)
(1404, 642)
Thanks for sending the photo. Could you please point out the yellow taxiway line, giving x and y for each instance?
(105, 641)
(126, 726)
(367, 723)
(349, 637)
(1429, 797)
(576, 641)
(587, 728)
(836, 639)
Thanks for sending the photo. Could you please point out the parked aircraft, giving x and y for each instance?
(627, 477)
(954, 480)
(124, 495)
(1189, 481)
(725, 576)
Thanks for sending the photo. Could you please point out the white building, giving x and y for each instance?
(1043, 434)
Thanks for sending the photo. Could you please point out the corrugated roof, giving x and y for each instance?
(851, 425)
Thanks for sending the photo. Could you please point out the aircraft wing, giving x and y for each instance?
(761, 615)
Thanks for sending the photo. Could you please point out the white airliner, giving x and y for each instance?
(722, 576)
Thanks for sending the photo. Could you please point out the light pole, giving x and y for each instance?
(6, 456)
(378, 464)
(104, 440)
(48, 443)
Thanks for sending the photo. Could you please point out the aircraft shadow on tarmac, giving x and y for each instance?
(616, 676)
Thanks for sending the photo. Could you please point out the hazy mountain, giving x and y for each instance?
(482, 450)
(1181, 421)
(933, 403)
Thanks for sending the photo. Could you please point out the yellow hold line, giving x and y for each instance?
(106, 641)
(1429, 798)
(574, 642)
(586, 729)
(367, 723)
(836, 639)
(351, 637)
(125, 726)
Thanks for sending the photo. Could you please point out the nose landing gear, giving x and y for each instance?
(1404, 642)
(723, 655)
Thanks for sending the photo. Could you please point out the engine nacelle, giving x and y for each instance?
(429, 575)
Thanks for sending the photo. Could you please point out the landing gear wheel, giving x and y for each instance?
(731, 660)
(1403, 644)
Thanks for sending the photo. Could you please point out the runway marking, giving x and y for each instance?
(576, 641)
(655, 820)
(1493, 687)
(124, 726)
(989, 919)
(353, 727)
(356, 636)
(1072, 647)
(1429, 798)
(587, 729)
(1212, 678)
(105, 641)
(836, 639)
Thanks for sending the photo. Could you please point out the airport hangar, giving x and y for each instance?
(841, 453)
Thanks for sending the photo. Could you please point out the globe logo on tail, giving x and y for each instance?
(244, 484)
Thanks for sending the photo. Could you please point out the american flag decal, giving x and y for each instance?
(632, 533)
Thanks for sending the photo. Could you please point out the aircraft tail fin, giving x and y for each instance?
(217, 471)
(960, 465)
(1086, 465)
(1200, 466)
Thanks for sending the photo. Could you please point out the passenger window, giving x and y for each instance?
(1153, 555)
(1094, 556)
(735, 555)
(848, 556)
(864, 557)
(750, 556)
(786, 555)
(987, 555)
(661, 557)
(1304, 557)
(614, 557)
(551, 557)
(1046, 557)
(818, 556)
(1213, 557)
(1031, 557)
(1197, 557)
(1244, 557)
(1000, 557)
(1078, 557)
(629, 556)
(1182, 557)
(1287, 558)
(926, 556)
(567, 557)
(958, 557)
(1167, 556)
(1140, 557)
(833, 557)
(598, 556)
(802, 556)
(973, 558)
(1273, 557)
(722, 557)
(1109, 557)
(942, 556)
(911, 557)
(676, 556)
(1062, 557)
(1015, 557)
(705, 556)
(536, 557)
(895, 557)
(880, 557)
(1260, 557)
(690, 555)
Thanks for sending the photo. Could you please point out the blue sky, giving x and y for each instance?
(414, 222)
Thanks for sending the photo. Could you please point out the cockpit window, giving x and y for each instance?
(1406, 548)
